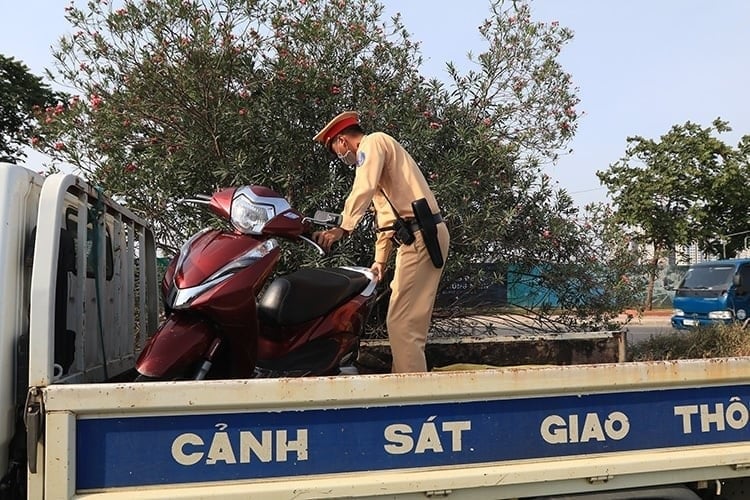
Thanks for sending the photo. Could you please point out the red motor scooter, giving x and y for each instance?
(223, 320)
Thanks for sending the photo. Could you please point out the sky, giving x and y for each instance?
(641, 66)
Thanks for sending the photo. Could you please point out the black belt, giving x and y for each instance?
(414, 225)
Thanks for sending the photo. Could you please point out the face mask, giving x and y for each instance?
(347, 158)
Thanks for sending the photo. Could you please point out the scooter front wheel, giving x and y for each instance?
(146, 378)
(188, 375)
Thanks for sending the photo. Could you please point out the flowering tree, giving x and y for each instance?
(178, 97)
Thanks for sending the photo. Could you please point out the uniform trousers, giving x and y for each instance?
(413, 289)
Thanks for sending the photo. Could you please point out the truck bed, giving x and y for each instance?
(518, 432)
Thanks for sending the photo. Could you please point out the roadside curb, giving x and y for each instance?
(658, 316)
(654, 313)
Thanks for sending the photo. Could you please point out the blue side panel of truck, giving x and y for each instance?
(123, 452)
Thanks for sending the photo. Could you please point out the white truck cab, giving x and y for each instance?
(19, 199)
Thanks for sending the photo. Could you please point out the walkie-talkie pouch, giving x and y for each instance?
(426, 221)
(402, 232)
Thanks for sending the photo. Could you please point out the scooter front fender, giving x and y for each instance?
(177, 346)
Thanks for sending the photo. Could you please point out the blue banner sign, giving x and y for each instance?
(117, 452)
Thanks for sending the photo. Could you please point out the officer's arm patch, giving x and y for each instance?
(360, 158)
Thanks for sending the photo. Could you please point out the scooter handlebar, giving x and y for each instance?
(321, 218)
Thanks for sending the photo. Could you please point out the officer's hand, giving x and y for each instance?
(378, 269)
(326, 239)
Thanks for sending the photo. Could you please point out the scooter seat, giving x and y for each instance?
(308, 293)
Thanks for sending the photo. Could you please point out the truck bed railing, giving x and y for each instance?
(111, 300)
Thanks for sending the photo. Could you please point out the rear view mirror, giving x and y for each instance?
(327, 218)
(737, 280)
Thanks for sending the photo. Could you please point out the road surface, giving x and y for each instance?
(646, 327)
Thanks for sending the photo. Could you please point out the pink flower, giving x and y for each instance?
(59, 146)
(130, 167)
(34, 141)
(95, 101)
(242, 111)
(546, 233)
(435, 125)
(487, 122)
(335, 89)
(427, 114)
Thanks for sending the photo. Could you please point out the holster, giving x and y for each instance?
(426, 220)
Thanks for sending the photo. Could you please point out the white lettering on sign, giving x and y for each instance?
(402, 438)
(735, 415)
(190, 449)
(556, 429)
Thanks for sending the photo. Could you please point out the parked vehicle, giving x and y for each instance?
(712, 292)
(223, 320)
(76, 265)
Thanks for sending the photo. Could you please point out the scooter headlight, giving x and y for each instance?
(248, 216)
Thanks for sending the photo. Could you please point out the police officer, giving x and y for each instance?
(388, 178)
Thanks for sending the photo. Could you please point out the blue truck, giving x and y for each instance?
(712, 292)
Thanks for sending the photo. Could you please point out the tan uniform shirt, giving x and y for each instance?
(383, 164)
